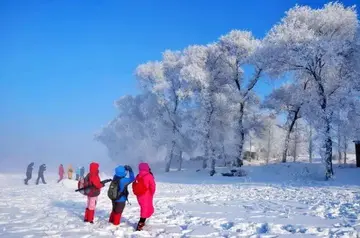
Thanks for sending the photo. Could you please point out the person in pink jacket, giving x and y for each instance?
(144, 188)
(61, 172)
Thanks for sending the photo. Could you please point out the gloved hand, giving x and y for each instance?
(128, 168)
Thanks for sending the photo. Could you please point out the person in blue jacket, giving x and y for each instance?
(119, 205)
(77, 174)
(82, 172)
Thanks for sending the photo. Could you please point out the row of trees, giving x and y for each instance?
(201, 100)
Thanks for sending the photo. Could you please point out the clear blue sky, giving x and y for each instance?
(64, 62)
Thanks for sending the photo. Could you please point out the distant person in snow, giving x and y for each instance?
(29, 170)
(42, 169)
(82, 172)
(118, 192)
(77, 174)
(94, 192)
(70, 171)
(144, 188)
(61, 172)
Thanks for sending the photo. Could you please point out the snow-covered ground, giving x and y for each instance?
(277, 200)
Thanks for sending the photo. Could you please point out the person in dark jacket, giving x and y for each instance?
(42, 169)
(119, 205)
(29, 172)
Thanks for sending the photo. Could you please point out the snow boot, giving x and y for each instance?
(116, 218)
(140, 226)
(111, 218)
(86, 219)
(91, 216)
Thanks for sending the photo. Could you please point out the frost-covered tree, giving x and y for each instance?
(136, 131)
(204, 78)
(288, 99)
(315, 43)
(164, 80)
(237, 51)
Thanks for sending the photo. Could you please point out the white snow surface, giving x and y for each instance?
(277, 200)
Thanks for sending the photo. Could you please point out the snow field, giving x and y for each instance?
(283, 200)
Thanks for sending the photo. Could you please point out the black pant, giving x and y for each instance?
(28, 177)
(142, 220)
(41, 176)
(118, 207)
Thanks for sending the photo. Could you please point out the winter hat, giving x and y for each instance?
(144, 167)
(120, 171)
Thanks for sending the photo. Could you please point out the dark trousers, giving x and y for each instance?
(118, 207)
(41, 176)
(28, 177)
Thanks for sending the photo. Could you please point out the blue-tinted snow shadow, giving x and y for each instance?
(77, 209)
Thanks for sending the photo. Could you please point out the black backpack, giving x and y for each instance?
(113, 191)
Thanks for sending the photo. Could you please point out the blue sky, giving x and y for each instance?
(63, 63)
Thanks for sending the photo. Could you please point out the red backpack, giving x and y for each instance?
(138, 186)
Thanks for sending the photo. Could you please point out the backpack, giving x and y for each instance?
(83, 183)
(113, 191)
(138, 186)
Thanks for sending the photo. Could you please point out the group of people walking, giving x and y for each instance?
(143, 187)
(41, 171)
(80, 172)
(42, 168)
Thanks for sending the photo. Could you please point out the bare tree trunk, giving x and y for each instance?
(170, 157)
(208, 146)
(345, 148)
(328, 150)
(286, 146)
(327, 156)
(310, 145)
(174, 131)
(241, 132)
(288, 133)
(296, 140)
(250, 147)
(339, 143)
(180, 161)
(224, 154)
(268, 147)
(212, 166)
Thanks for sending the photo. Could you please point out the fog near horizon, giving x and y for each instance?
(18, 149)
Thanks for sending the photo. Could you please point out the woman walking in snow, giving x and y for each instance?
(144, 188)
(70, 172)
(94, 191)
(61, 173)
(122, 182)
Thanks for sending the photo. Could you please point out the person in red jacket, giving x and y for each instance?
(61, 172)
(145, 200)
(93, 193)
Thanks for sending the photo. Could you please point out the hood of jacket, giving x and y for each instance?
(144, 167)
(94, 168)
(120, 171)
